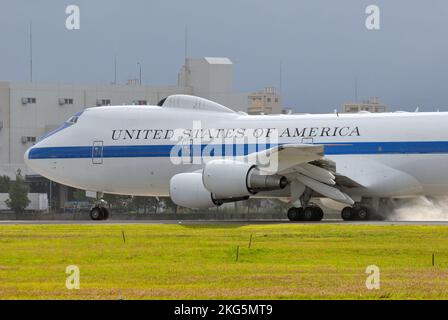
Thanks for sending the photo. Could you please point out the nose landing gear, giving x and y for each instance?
(99, 211)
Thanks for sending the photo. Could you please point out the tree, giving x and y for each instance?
(170, 205)
(18, 194)
(116, 201)
(5, 183)
(145, 203)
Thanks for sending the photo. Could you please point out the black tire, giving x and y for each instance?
(309, 214)
(318, 214)
(347, 214)
(96, 214)
(291, 214)
(104, 213)
(362, 213)
(295, 214)
(299, 216)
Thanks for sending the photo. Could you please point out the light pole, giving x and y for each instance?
(51, 194)
(140, 72)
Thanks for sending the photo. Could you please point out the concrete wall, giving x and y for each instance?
(5, 121)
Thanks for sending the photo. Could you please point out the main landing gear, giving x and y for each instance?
(359, 213)
(307, 212)
(99, 211)
(310, 213)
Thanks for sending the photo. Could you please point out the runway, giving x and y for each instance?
(217, 222)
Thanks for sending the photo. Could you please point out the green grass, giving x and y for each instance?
(286, 261)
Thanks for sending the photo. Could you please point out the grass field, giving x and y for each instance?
(285, 261)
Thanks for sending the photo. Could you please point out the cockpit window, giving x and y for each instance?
(72, 120)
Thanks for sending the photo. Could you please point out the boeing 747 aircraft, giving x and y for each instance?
(203, 154)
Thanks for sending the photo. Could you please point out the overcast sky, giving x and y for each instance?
(323, 45)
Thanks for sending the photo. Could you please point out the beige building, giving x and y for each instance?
(265, 101)
(370, 105)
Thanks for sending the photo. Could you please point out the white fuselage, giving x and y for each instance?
(127, 149)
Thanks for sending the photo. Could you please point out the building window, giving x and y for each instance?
(140, 102)
(28, 140)
(28, 100)
(64, 101)
(269, 99)
(103, 102)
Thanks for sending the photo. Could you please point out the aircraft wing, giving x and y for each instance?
(304, 164)
(282, 159)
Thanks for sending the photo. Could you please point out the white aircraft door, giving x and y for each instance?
(187, 151)
(97, 152)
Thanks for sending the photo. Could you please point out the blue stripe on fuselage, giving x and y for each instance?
(143, 151)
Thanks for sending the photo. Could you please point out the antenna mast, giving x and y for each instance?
(186, 55)
(281, 82)
(31, 51)
(115, 69)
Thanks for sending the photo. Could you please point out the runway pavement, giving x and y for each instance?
(214, 222)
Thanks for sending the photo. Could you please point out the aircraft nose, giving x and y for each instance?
(26, 155)
(29, 161)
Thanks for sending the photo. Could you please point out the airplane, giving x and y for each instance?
(203, 154)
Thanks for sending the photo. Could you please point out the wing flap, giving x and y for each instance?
(326, 190)
(282, 158)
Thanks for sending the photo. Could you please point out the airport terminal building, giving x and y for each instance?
(29, 110)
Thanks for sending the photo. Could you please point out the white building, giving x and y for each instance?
(212, 78)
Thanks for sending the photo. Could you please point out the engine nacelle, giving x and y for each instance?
(187, 190)
(227, 179)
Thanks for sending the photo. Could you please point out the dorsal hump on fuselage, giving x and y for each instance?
(183, 101)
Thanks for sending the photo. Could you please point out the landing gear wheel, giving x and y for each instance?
(318, 214)
(295, 214)
(96, 214)
(362, 213)
(291, 214)
(308, 214)
(347, 213)
(313, 213)
(104, 213)
(357, 213)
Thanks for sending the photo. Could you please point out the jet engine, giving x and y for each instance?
(227, 179)
(187, 190)
(221, 181)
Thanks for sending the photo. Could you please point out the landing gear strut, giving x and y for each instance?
(99, 211)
